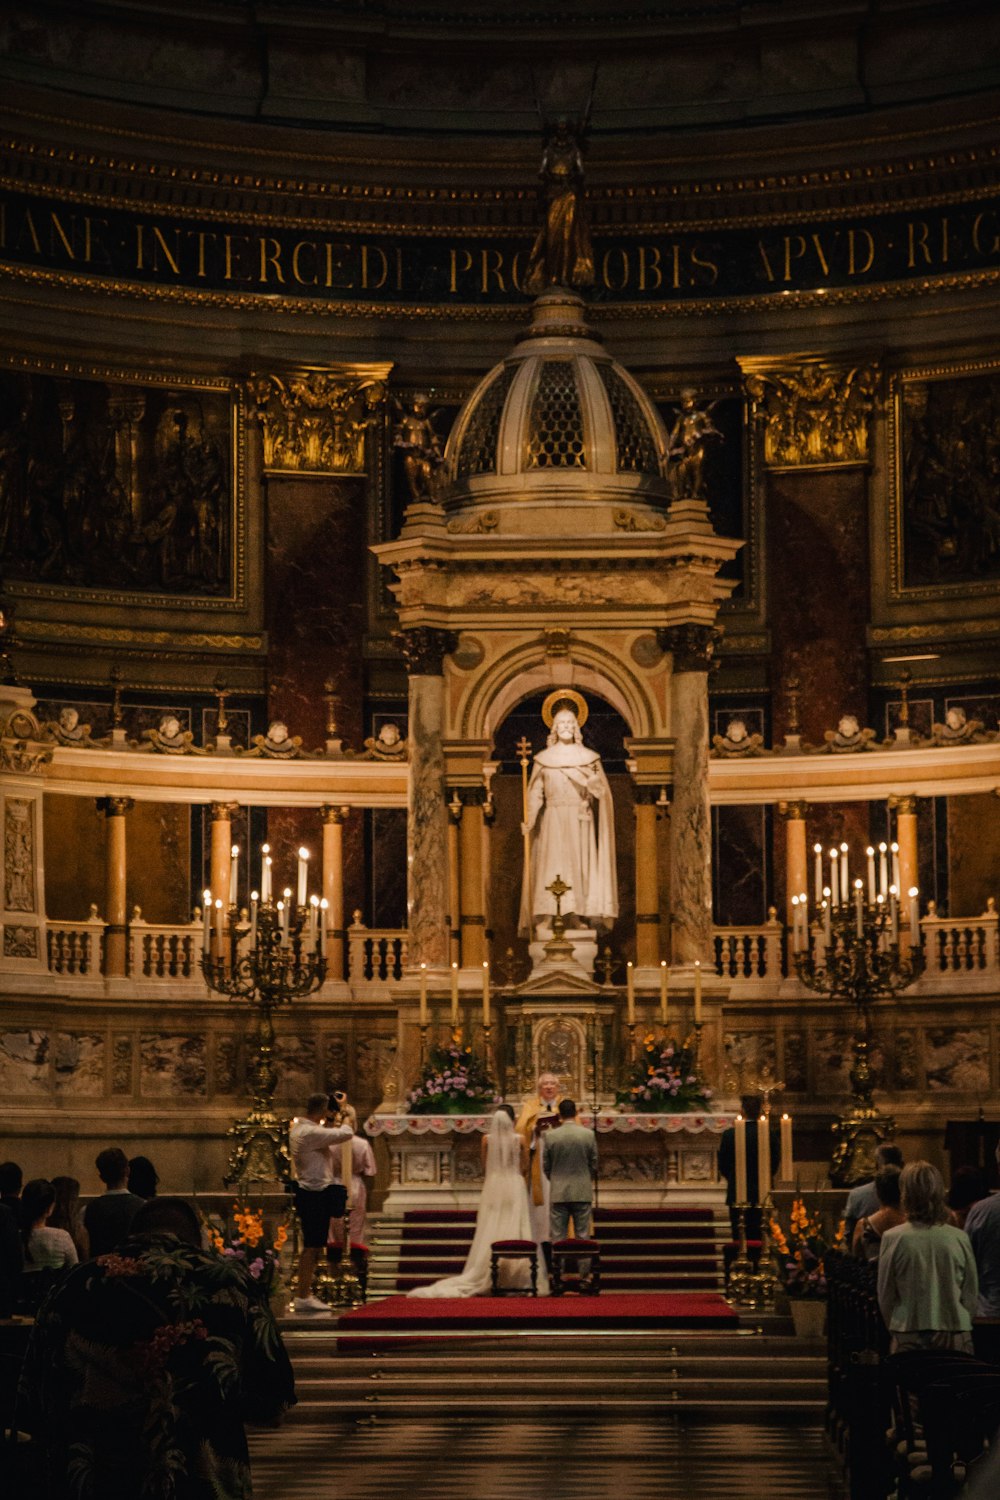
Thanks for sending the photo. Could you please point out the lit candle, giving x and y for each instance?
(818, 852)
(740, 1131)
(894, 914)
(914, 918)
(697, 992)
(870, 854)
(265, 872)
(234, 874)
(254, 903)
(895, 865)
(423, 994)
(630, 993)
(858, 910)
(827, 930)
(324, 907)
(763, 1158)
(845, 884)
(883, 868)
(454, 995)
(663, 991)
(303, 872)
(787, 1169)
(206, 920)
(834, 878)
(486, 992)
(313, 920)
(796, 926)
(287, 897)
(218, 926)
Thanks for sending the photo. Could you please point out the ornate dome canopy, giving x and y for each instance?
(557, 419)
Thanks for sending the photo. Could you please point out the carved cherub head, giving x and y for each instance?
(170, 728)
(69, 718)
(956, 719)
(848, 727)
(277, 732)
(736, 731)
(388, 736)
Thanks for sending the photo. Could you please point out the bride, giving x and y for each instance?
(503, 1215)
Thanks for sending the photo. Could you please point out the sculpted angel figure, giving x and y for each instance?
(686, 446)
(562, 254)
(421, 446)
(570, 823)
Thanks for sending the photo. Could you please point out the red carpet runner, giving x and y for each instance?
(622, 1310)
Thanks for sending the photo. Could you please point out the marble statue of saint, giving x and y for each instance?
(570, 824)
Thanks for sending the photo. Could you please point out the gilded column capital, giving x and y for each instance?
(332, 814)
(115, 807)
(812, 411)
(691, 646)
(317, 421)
(222, 812)
(793, 812)
(905, 803)
(425, 648)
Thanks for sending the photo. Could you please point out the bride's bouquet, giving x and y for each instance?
(456, 1083)
(665, 1080)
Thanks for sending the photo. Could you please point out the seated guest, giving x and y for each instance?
(142, 1177)
(982, 1225)
(67, 1214)
(11, 1178)
(927, 1281)
(868, 1231)
(143, 1367)
(45, 1249)
(108, 1218)
(750, 1110)
(863, 1199)
(11, 1259)
(968, 1186)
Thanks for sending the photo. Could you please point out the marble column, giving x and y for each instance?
(220, 850)
(473, 922)
(333, 888)
(796, 856)
(906, 838)
(427, 841)
(692, 648)
(647, 896)
(454, 879)
(115, 877)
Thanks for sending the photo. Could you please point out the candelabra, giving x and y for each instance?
(853, 955)
(268, 959)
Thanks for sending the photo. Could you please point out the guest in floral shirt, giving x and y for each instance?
(143, 1366)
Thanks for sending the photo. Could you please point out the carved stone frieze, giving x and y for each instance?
(425, 648)
(24, 758)
(691, 646)
(19, 854)
(316, 421)
(737, 742)
(814, 412)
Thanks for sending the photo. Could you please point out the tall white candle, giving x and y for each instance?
(254, 907)
(697, 992)
(206, 920)
(303, 873)
(454, 995)
(894, 913)
(845, 883)
(786, 1168)
(895, 865)
(914, 917)
(234, 874)
(630, 993)
(834, 876)
(313, 920)
(818, 871)
(740, 1132)
(218, 926)
(763, 1158)
(870, 854)
(324, 907)
(796, 926)
(284, 914)
(423, 994)
(858, 909)
(827, 930)
(663, 992)
(883, 868)
(486, 992)
(265, 872)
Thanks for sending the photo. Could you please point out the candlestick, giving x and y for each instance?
(423, 994)
(827, 921)
(894, 849)
(870, 856)
(818, 852)
(697, 992)
(254, 904)
(265, 872)
(883, 868)
(914, 918)
(834, 877)
(283, 919)
(763, 1158)
(894, 914)
(206, 917)
(663, 991)
(740, 1130)
(324, 907)
(234, 874)
(303, 871)
(486, 992)
(787, 1169)
(858, 910)
(454, 995)
(845, 884)
(630, 993)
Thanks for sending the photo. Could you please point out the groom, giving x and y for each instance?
(569, 1161)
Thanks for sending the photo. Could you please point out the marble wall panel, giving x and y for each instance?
(832, 1057)
(957, 1057)
(122, 1065)
(336, 1065)
(74, 857)
(227, 1072)
(796, 1062)
(739, 865)
(296, 1058)
(749, 1054)
(905, 1069)
(973, 853)
(24, 1063)
(387, 865)
(173, 1066)
(78, 1063)
(158, 842)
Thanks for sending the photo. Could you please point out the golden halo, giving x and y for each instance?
(572, 699)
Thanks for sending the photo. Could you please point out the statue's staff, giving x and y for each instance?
(523, 748)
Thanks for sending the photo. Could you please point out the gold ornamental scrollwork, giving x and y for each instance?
(812, 412)
(317, 421)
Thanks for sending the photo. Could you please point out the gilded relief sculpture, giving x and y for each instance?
(813, 412)
(421, 446)
(562, 254)
(316, 421)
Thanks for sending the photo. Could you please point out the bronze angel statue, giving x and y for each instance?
(562, 254)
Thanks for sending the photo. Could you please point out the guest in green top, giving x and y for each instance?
(927, 1281)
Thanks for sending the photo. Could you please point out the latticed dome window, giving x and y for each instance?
(478, 453)
(635, 452)
(555, 428)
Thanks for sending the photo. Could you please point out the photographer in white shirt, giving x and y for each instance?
(318, 1198)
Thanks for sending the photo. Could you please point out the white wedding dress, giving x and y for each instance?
(503, 1215)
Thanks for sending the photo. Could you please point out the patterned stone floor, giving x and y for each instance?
(670, 1459)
